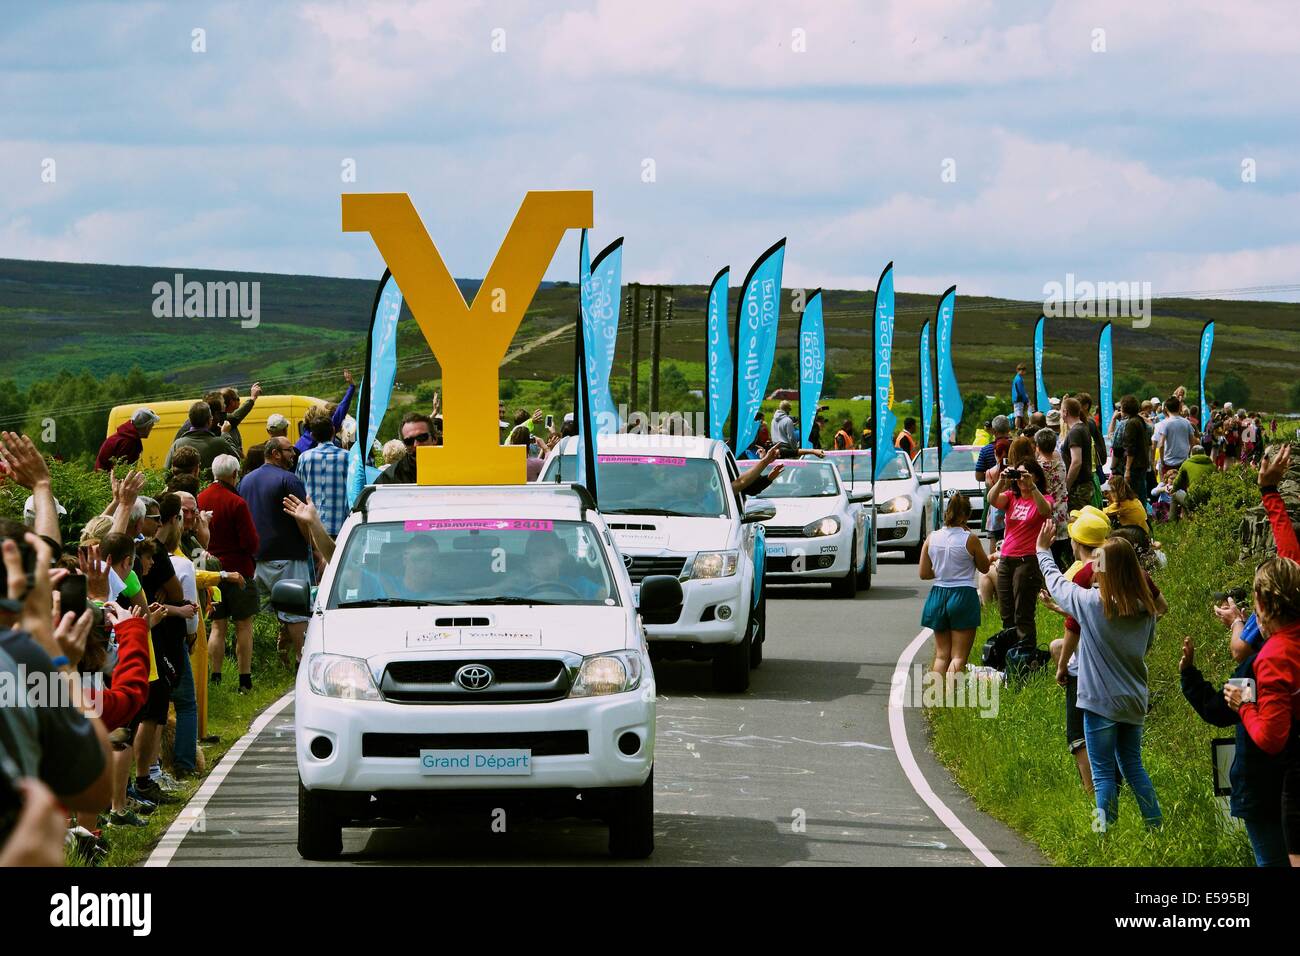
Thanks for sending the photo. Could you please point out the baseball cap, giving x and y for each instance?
(276, 421)
(1089, 526)
(1054, 401)
(568, 417)
(144, 418)
(1155, 400)
(1054, 417)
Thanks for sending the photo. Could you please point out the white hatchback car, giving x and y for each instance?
(822, 531)
(958, 478)
(670, 506)
(904, 502)
(472, 644)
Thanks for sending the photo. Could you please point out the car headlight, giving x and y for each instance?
(714, 564)
(822, 527)
(610, 673)
(896, 505)
(348, 678)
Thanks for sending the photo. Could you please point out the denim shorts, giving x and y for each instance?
(951, 609)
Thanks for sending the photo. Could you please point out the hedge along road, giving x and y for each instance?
(801, 769)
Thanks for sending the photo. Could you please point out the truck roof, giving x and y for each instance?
(558, 501)
(681, 446)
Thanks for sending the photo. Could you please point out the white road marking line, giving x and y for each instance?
(162, 854)
(898, 734)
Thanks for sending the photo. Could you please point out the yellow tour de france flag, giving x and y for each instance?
(469, 342)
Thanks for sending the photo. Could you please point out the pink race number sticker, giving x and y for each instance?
(479, 524)
(641, 460)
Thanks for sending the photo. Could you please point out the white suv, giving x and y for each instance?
(671, 509)
(475, 644)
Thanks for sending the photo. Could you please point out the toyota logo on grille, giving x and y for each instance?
(474, 676)
(627, 561)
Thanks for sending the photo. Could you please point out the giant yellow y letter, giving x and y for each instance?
(469, 341)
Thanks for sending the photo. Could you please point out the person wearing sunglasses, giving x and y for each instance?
(417, 432)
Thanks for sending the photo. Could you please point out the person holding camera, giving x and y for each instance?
(1021, 494)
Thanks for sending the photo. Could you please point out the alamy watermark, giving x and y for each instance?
(977, 689)
(208, 300)
(43, 689)
(1108, 300)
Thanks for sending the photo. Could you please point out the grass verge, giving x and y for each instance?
(1016, 765)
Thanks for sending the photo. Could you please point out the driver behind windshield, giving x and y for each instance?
(552, 569)
(422, 573)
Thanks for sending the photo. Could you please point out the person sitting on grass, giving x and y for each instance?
(1117, 625)
(1124, 507)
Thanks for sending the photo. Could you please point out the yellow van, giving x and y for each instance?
(173, 414)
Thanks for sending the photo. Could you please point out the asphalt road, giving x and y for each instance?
(799, 770)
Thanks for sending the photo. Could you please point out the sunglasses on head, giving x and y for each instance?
(419, 439)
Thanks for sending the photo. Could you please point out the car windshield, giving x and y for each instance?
(959, 459)
(857, 467)
(473, 561)
(803, 479)
(652, 484)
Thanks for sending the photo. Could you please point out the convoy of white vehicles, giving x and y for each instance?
(904, 502)
(487, 645)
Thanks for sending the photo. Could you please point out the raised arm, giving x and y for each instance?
(1271, 473)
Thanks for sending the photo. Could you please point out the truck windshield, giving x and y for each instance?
(803, 479)
(652, 484)
(473, 561)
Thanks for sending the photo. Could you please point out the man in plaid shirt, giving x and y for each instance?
(324, 471)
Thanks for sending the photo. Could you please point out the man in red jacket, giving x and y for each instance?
(127, 443)
(232, 540)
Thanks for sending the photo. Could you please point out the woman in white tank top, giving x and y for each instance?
(951, 557)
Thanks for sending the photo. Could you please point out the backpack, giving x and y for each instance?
(996, 647)
(1023, 660)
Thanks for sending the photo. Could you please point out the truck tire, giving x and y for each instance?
(758, 630)
(631, 821)
(731, 666)
(320, 832)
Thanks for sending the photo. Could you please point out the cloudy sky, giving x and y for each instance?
(1105, 139)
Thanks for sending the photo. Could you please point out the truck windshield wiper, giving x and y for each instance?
(665, 512)
(506, 600)
(386, 602)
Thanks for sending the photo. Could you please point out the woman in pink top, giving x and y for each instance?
(1021, 493)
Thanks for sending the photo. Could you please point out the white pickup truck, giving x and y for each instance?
(475, 642)
(670, 506)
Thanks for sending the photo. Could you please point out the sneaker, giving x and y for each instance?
(165, 780)
(142, 807)
(153, 793)
(126, 819)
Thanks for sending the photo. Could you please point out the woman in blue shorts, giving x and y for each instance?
(950, 558)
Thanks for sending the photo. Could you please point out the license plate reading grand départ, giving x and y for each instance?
(496, 763)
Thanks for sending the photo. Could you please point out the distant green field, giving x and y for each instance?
(99, 318)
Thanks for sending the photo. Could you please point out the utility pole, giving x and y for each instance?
(635, 304)
(654, 349)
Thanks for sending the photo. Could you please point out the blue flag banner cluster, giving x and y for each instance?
(1207, 346)
(1105, 377)
(376, 383)
(1042, 401)
(812, 364)
(950, 403)
(600, 293)
(757, 315)
(882, 335)
(718, 357)
(927, 384)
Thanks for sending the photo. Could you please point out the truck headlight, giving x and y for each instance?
(348, 678)
(822, 527)
(714, 564)
(610, 673)
(896, 505)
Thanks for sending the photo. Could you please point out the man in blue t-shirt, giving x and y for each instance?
(283, 553)
(1020, 397)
